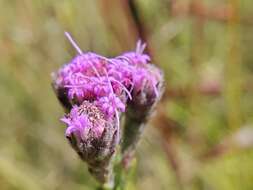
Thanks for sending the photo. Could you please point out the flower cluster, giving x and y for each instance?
(108, 83)
(92, 77)
(95, 91)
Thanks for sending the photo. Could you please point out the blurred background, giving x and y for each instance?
(202, 134)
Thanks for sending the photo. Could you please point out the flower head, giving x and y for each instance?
(92, 136)
(84, 121)
(96, 91)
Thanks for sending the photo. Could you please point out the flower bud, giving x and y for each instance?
(93, 137)
(95, 91)
(147, 91)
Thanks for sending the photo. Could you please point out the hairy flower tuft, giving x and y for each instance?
(93, 137)
(84, 120)
(95, 91)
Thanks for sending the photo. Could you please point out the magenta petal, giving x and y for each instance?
(70, 130)
(65, 120)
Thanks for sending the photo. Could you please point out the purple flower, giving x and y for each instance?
(110, 105)
(78, 124)
(93, 137)
(96, 91)
(147, 91)
(81, 123)
(89, 76)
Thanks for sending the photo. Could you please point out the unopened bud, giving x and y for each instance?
(93, 137)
